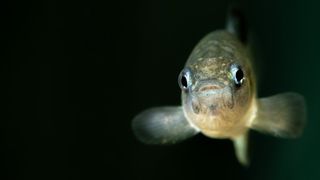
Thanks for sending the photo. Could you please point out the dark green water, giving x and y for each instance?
(75, 74)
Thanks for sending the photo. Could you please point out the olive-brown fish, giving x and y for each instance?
(219, 100)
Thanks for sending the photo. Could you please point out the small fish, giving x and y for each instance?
(219, 99)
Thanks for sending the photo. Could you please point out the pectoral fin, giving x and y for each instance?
(162, 125)
(282, 115)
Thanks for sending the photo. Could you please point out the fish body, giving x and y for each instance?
(219, 100)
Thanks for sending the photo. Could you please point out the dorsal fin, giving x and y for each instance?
(237, 24)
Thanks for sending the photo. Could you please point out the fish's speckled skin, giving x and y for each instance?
(210, 62)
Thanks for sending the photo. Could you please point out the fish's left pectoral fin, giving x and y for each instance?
(162, 125)
(282, 115)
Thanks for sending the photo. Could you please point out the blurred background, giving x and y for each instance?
(75, 73)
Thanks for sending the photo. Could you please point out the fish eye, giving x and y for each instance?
(184, 79)
(237, 74)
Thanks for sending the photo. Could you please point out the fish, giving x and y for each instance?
(219, 98)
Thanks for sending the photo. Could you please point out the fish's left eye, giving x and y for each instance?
(184, 79)
(237, 74)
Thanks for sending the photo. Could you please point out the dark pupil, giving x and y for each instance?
(239, 75)
(184, 82)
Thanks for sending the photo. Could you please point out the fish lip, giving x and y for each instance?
(208, 93)
(208, 85)
(206, 88)
(214, 96)
(209, 88)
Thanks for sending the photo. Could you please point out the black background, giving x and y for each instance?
(76, 72)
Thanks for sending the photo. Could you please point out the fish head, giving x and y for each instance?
(216, 93)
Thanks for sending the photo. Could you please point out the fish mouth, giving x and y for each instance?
(209, 97)
(209, 88)
(208, 85)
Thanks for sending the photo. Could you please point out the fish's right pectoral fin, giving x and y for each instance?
(162, 125)
(282, 115)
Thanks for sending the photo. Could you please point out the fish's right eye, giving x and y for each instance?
(185, 80)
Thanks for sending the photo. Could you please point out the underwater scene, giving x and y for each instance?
(80, 78)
